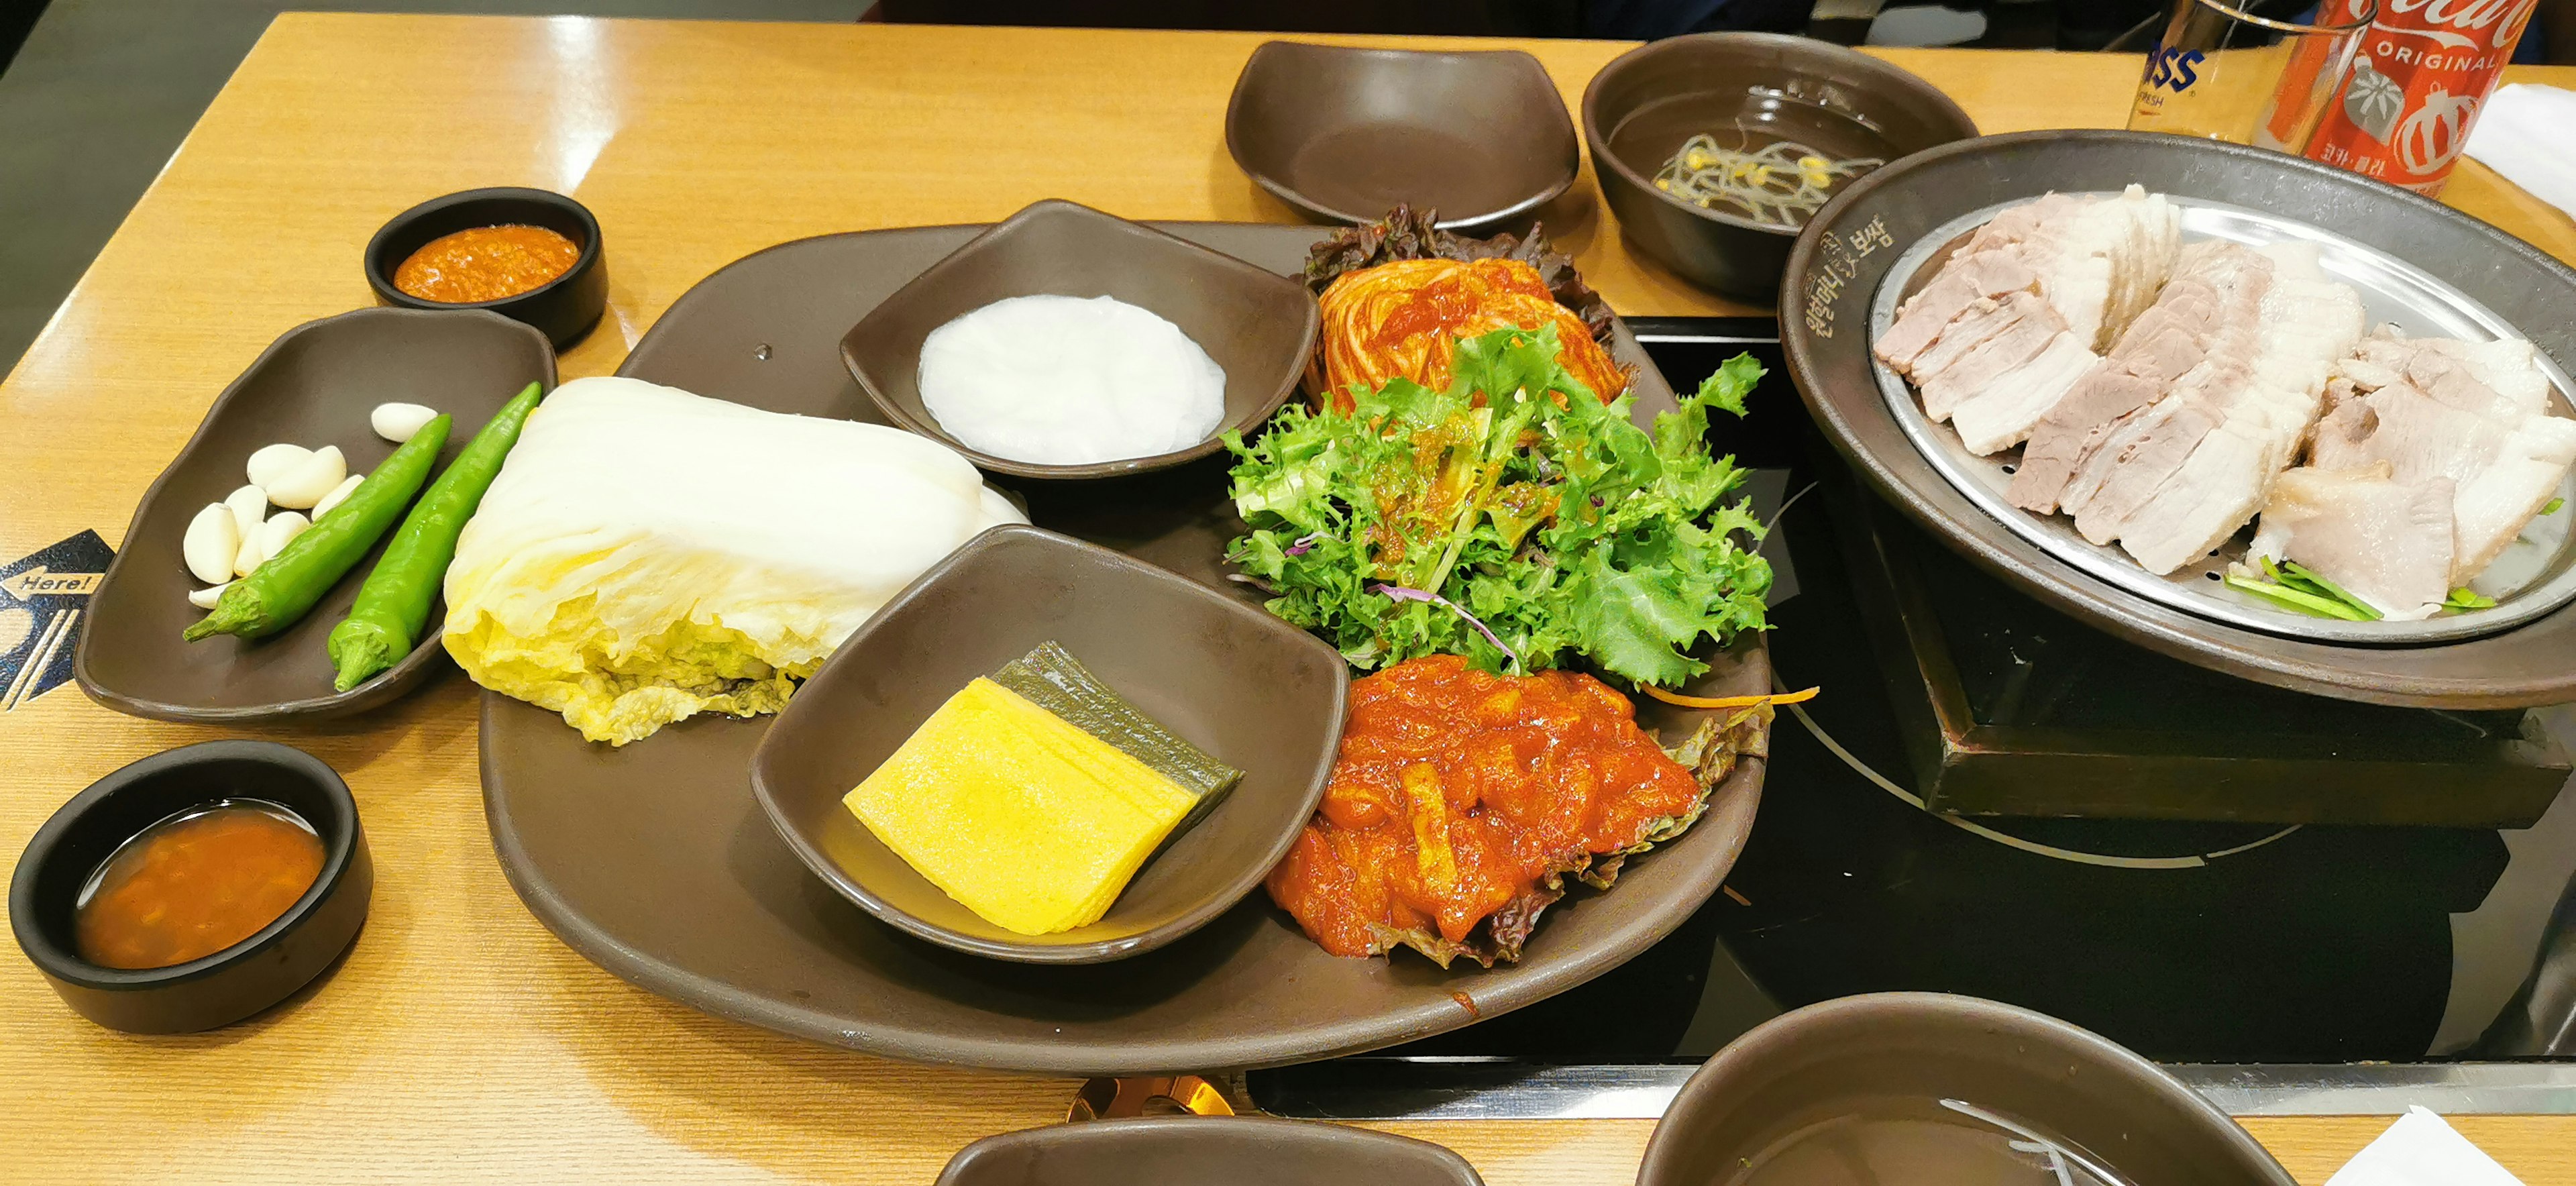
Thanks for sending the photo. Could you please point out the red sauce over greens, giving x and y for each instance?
(1457, 791)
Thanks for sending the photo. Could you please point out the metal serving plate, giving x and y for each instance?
(2535, 575)
(1836, 275)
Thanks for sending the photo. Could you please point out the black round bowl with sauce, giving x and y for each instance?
(564, 308)
(1639, 109)
(230, 984)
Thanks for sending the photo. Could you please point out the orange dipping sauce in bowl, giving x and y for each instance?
(486, 263)
(195, 884)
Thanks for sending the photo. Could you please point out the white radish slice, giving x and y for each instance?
(399, 422)
(271, 463)
(299, 489)
(206, 598)
(339, 494)
(213, 540)
(274, 535)
(250, 508)
(250, 555)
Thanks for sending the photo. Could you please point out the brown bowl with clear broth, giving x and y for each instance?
(1257, 324)
(1762, 87)
(1252, 691)
(1344, 133)
(1947, 1087)
(1232, 1150)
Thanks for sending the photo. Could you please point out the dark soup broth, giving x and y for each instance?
(1782, 156)
(195, 884)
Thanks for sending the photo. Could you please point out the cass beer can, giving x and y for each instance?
(2414, 89)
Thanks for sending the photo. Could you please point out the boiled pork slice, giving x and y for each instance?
(2215, 285)
(2473, 413)
(2386, 541)
(2304, 323)
(2014, 319)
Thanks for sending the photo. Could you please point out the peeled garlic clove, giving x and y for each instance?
(249, 555)
(301, 488)
(399, 422)
(206, 598)
(213, 540)
(274, 534)
(273, 462)
(250, 508)
(339, 494)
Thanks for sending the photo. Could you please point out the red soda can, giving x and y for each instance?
(2425, 67)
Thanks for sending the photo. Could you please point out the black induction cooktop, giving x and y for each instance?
(2290, 957)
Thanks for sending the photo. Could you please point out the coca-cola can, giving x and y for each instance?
(2413, 91)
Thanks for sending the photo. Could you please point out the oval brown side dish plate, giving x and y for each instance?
(1252, 691)
(1909, 1053)
(1257, 324)
(656, 861)
(314, 386)
(1344, 133)
(1234, 1150)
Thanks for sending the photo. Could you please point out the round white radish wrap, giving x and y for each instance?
(647, 554)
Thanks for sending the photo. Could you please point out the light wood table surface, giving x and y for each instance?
(460, 1041)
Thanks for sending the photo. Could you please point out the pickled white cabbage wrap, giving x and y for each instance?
(647, 554)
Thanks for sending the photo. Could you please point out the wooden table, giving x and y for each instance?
(460, 1041)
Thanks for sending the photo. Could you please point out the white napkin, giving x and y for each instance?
(2422, 1150)
(2528, 133)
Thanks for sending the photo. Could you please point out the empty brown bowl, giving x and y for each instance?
(1235, 1150)
(1764, 87)
(313, 387)
(1938, 1088)
(1258, 694)
(1343, 133)
(1257, 324)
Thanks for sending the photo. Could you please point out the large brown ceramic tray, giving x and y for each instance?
(1860, 243)
(656, 863)
(314, 386)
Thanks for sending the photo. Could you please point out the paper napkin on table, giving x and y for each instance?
(2528, 133)
(2422, 1150)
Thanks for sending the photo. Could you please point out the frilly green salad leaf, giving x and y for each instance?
(1512, 518)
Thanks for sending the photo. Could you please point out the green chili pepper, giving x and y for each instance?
(393, 605)
(285, 586)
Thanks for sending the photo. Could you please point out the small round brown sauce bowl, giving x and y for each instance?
(228, 985)
(1641, 108)
(564, 308)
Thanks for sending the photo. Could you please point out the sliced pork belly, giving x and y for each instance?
(2215, 285)
(2386, 541)
(1983, 277)
(2001, 416)
(1988, 325)
(2305, 322)
(2475, 414)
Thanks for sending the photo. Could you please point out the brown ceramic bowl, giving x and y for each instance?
(1257, 693)
(228, 985)
(1255, 323)
(314, 386)
(1344, 133)
(1235, 1150)
(1642, 106)
(1902, 1054)
(564, 308)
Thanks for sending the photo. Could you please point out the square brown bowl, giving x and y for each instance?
(1344, 133)
(1257, 324)
(1259, 694)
